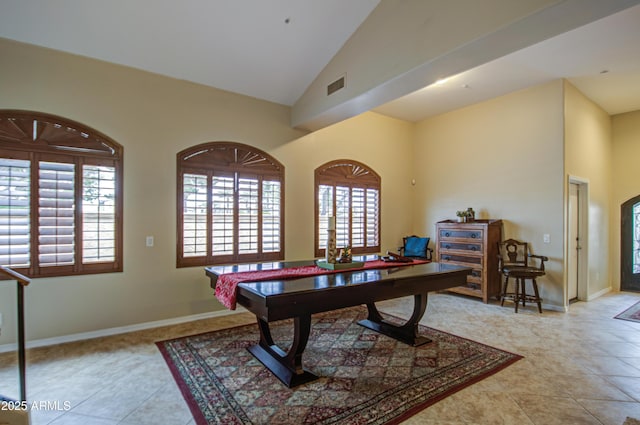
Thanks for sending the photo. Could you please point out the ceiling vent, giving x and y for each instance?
(335, 86)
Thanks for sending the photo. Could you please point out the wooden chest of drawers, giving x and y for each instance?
(475, 245)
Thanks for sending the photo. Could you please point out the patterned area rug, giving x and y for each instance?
(632, 313)
(365, 377)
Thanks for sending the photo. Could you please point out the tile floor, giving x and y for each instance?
(580, 367)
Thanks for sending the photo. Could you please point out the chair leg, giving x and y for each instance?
(535, 291)
(523, 291)
(516, 296)
(505, 285)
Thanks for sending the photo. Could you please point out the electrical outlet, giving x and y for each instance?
(546, 238)
(149, 241)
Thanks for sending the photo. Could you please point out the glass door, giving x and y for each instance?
(630, 245)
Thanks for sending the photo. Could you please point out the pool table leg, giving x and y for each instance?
(407, 333)
(286, 366)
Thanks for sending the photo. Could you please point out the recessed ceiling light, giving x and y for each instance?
(441, 81)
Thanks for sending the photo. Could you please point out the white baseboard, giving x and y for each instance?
(554, 307)
(5, 348)
(565, 309)
(119, 330)
(598, 294)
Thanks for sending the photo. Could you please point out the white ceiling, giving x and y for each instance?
(243, 46)
(274, 49)
(601, 59)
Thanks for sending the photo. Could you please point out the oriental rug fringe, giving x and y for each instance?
(365, 377)
(632, 313)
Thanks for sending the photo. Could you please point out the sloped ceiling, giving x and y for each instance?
(602, 59)
(283, 50)
(268, 49)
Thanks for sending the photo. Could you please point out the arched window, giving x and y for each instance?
(230, 205)
(60, 196)
(350, 191)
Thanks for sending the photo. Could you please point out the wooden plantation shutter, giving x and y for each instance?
(372, 220)
(56, 214)
(248, 215)
(231, 198)
(194, 214)
(60, 196)
(324, 202)
(358, 214)
(350, 191)
(15, 212)
(271, 215)
(223, 216)
(99, 223)
(343, 214)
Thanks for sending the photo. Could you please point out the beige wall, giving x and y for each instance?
(155, 117)
(382, 143)
(588, 157)
(626, 178)
(504, 158)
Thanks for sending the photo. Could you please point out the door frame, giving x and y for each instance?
(583, 232)
(626, 246)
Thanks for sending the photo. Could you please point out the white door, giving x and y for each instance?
(574, 241)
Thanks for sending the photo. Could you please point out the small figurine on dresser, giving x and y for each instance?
(471, 214)
(345, 255)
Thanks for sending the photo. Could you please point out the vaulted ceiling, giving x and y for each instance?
(288, 51)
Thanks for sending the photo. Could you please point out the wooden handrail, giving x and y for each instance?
(22, 281)
(20, 278)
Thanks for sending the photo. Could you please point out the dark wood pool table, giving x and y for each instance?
(299, 298)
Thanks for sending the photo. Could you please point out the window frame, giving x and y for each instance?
(225, 159)
(41, 137)
(352, 174)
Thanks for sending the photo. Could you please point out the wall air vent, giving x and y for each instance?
(335, 86)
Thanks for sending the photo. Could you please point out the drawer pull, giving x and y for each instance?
(473, 247)
(447, 246)
(446, 258)
(473, 236)
(447, 234)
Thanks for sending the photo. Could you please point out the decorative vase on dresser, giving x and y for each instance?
(473, 244)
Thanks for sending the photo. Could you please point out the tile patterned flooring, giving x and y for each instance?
(580, 367)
